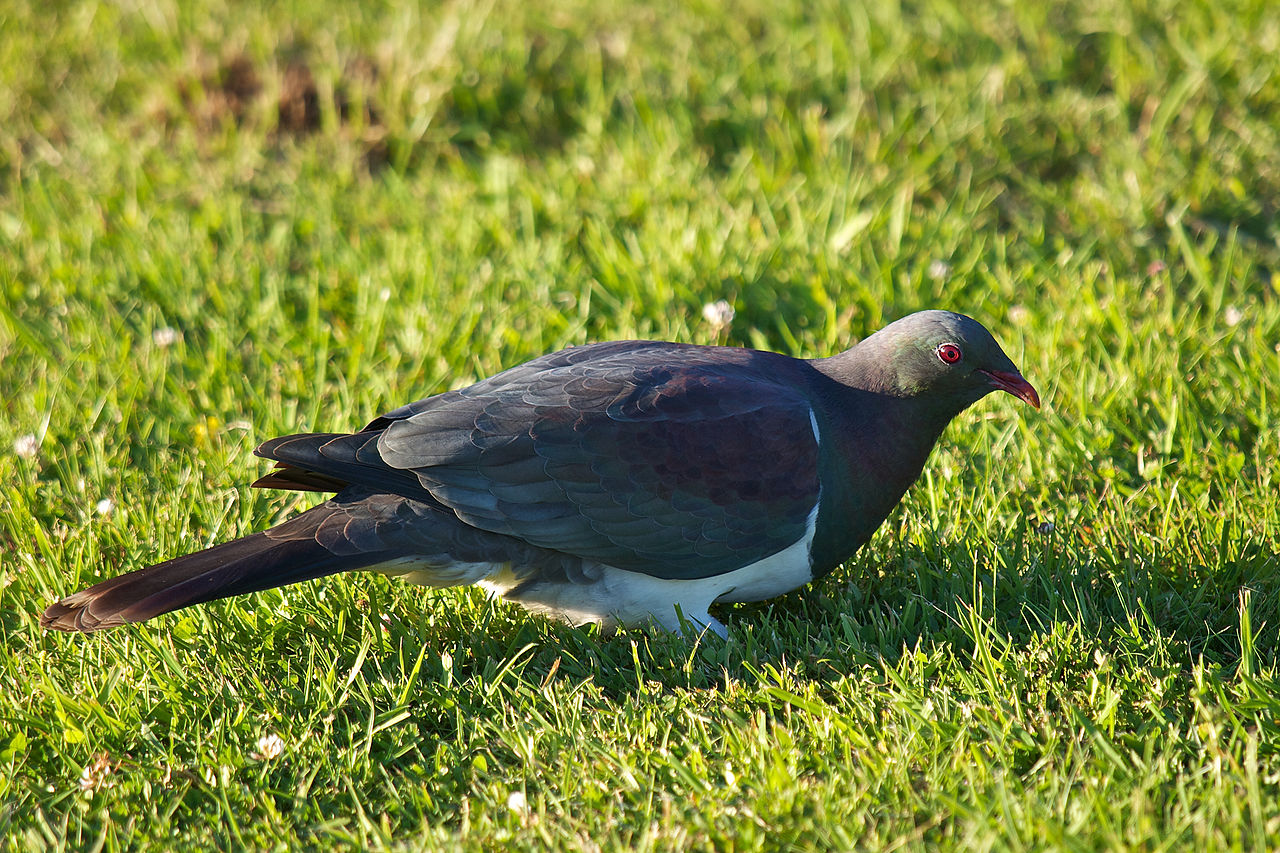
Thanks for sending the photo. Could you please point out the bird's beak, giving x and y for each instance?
(1014, 383)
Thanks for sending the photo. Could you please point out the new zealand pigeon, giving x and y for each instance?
(626, 483)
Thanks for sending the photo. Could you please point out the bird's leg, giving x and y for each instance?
(695, 626)
(717, 627)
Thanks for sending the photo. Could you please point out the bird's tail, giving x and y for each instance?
(254, 563)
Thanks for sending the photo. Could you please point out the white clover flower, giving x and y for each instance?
(939, 269)
(166, 337)
(269, 746)
(26, 446)
(97, 774)
(719, 314)
(106, 506)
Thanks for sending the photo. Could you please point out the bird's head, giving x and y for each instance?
(941, 356)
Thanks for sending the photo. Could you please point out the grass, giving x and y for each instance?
(223, 223)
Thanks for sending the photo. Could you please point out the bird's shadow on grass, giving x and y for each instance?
(1030, 586)
(1030, 589)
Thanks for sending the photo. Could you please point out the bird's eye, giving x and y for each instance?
(949, 353)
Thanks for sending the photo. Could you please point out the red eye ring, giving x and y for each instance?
(949, 353)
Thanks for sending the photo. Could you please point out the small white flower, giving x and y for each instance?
(939, 269)
(166, 337)
(384, 295)
(1233, 315)
(719, 314)
(105, 506)
(97, 774)
(517, 802)
(615, 44)
(269, 746)
(1018, 314)
(26, 446)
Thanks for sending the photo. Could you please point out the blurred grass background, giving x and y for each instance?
(224, 222)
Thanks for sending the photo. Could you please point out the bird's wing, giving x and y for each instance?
(678, 462)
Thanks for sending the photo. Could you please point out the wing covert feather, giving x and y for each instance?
(675, 461)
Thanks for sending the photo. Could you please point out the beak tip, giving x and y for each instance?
(1014, 383)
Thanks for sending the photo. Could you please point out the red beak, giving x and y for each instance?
(1015, 385)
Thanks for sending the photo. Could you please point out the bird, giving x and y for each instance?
(626, 483)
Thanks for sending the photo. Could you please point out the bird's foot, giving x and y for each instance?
(697, 626)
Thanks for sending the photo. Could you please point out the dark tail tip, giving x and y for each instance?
(66, 615)
(245, 565)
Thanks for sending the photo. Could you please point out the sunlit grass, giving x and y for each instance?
(220, 224)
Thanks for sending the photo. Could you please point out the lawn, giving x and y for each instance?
(225, 222)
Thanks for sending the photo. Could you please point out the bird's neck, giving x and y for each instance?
(875, 441)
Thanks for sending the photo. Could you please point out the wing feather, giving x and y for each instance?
(672, 460)
(675, 461)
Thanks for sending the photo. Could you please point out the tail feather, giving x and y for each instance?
(328, 462)
(285, 476)
(245, 565)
